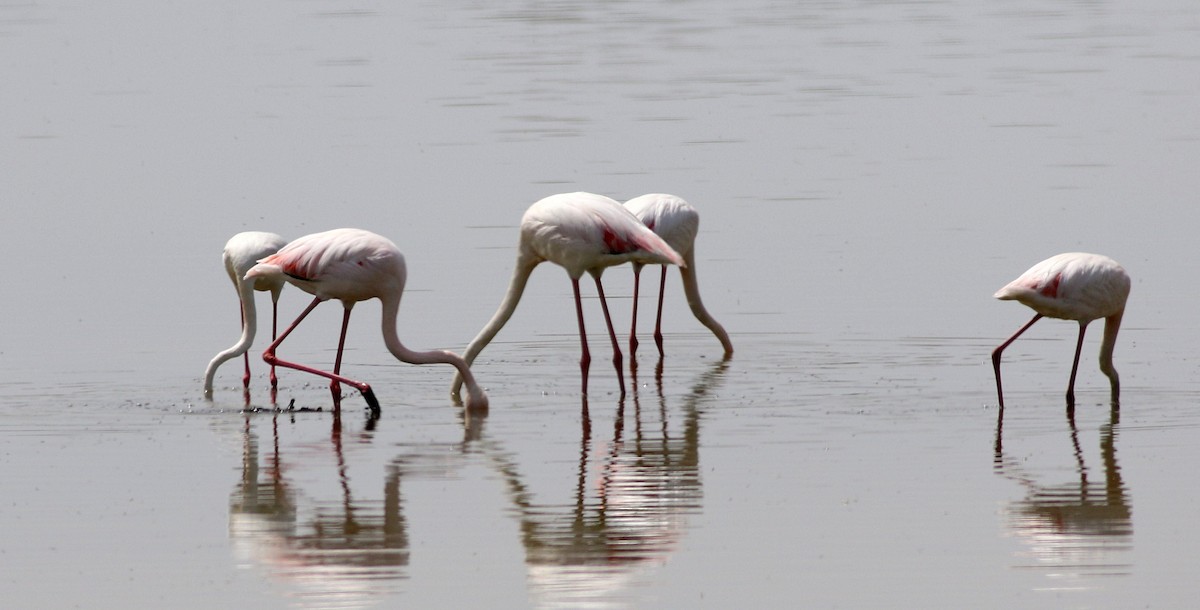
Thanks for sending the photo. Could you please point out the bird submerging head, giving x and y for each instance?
(678, 223)
(353, 265)
(580, 232)
(242, 252)
(1072, 286)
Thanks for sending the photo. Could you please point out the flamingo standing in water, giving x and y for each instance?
(1072, 286)
(581, 232)
(677, 222)
(242, 252)
(352, 265)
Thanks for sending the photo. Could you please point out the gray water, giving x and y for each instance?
(868, 174)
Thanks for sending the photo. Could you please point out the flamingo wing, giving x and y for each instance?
(1071, 286)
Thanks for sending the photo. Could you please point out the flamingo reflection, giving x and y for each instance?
(631, 499)
(341, 552)
(1079, 527)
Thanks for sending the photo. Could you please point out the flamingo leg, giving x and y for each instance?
(585, 361)
(612, 334)
(1075, 368)
(996, 355)
(662, 289)
(334, 386)
(633, 342)
(274, 332)
(245, 354)
(270, 358)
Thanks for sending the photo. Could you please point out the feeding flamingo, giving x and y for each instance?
(242, 252)
(1072, 286)
(352, 265)
(580, 232)
(677, 222)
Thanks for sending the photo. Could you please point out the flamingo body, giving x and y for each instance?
(352, 265)
(678, 223)
(580, 232)
(1072, 286)
(670, 217)
(583, 232)
(349, 265)
(242, 252)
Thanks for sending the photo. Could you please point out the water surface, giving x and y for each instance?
(867, 175)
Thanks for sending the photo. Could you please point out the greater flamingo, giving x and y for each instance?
(677, 222)
(353, 265)
(1072, 286)
(581, 232)
(242, 252)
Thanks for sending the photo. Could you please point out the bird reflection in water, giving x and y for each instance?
(1075, 529)
(631, 498)
(341, 553)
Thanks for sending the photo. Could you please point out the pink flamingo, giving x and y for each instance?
(580, 232)
(677, 222)
(242, 251)
(352, 265)
(1072, 286)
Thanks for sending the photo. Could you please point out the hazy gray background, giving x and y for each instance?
(867, 174)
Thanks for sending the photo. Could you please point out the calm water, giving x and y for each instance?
(867, 174)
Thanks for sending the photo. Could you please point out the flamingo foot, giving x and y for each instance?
(372, 402)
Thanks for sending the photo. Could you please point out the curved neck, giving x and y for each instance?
(1112, 324)
(516, 287)
(391, 339)
(249, 328)
(691, 289)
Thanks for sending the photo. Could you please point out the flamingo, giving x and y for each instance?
(579, 232)
(1072, 286)
(677, 222)
(352, 265)
(242, 252)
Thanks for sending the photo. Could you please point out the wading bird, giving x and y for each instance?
(352, 265)
(242, 252)
(1073, 286)
(677, 222)
(581, 232)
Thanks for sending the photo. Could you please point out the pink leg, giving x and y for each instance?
(612, 334)
(246, 354)
(633, 342)
(270, 358)
(334, 386)
(585, 361)
(662, 289)
(996, 355)
(274, 332)
(1075, 368)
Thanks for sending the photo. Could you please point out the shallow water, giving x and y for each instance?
(867, 175)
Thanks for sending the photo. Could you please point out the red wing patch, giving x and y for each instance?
(292, 267)
(1051, 288)
(617, 245)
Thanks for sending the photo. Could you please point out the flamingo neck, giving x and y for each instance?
(1112, 324)
(516, 287)
(691, 289)
(249, 327)
(391, 339)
